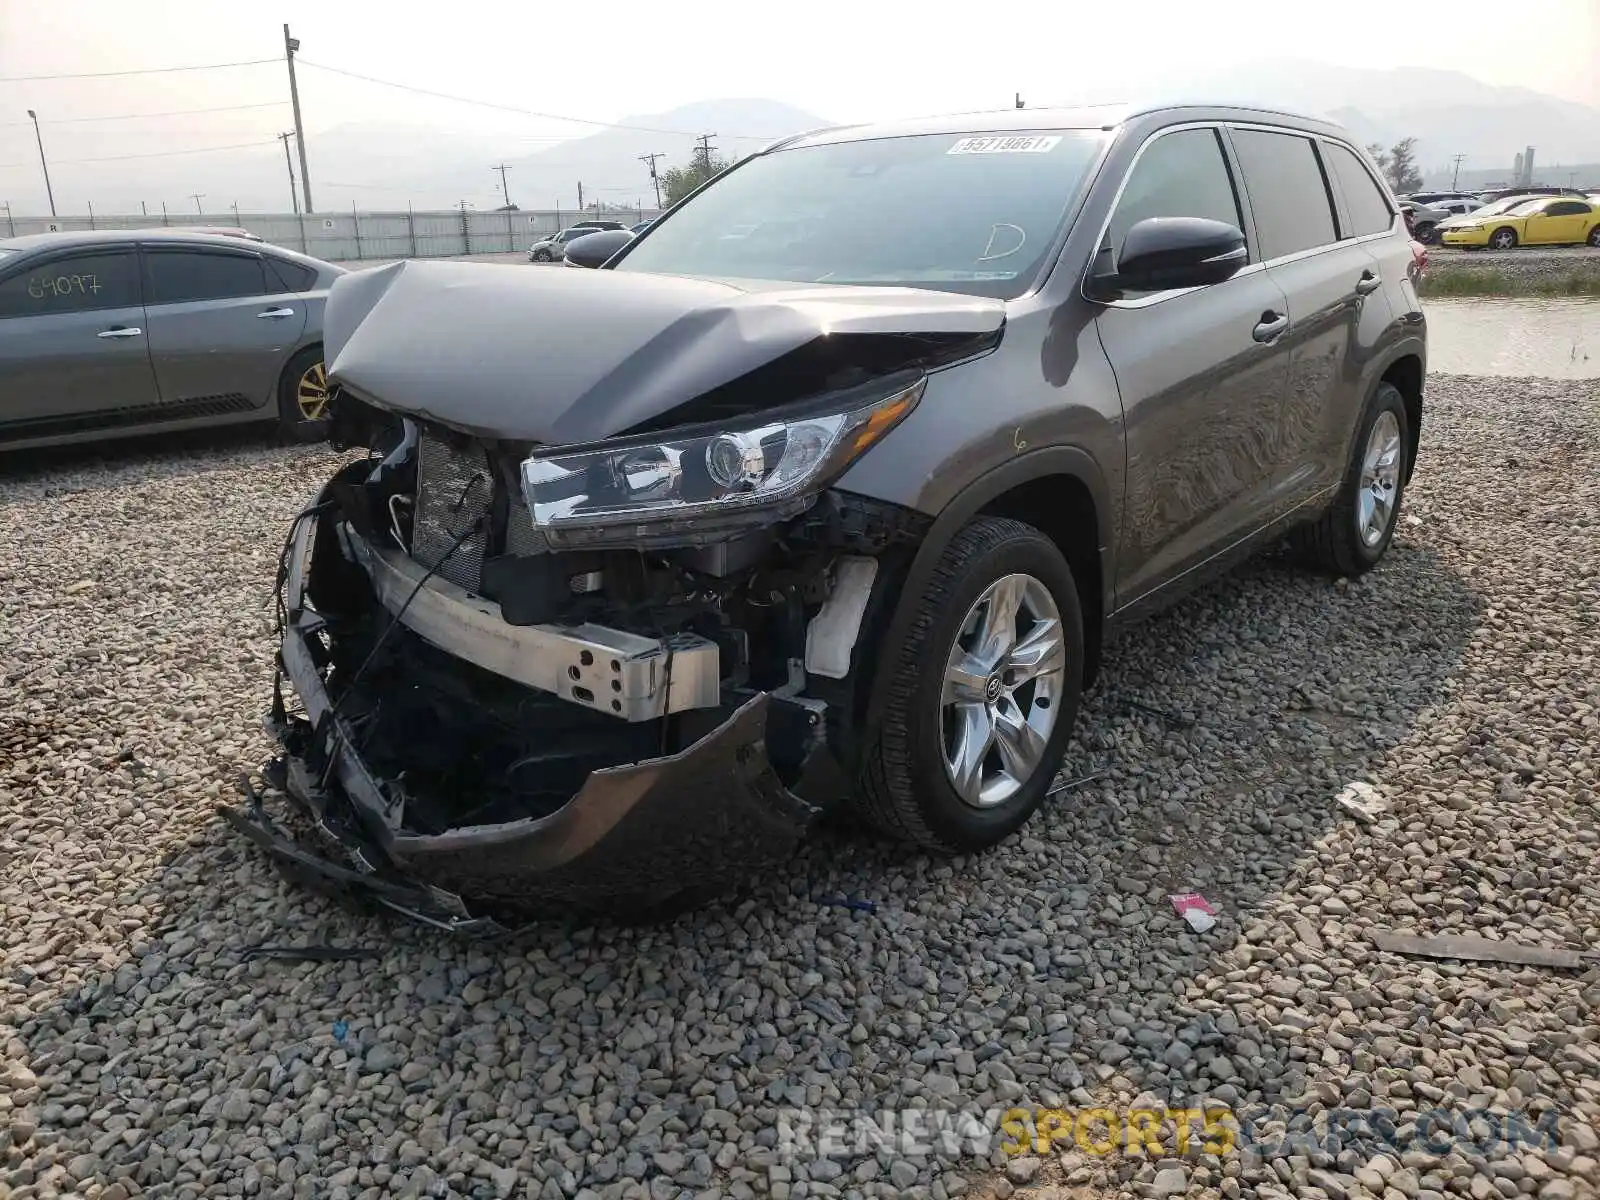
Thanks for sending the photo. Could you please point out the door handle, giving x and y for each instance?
(120, 331)
(1367, 284)
(277, 312)
(1271, 325)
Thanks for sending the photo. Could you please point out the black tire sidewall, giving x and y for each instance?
(950, 818)
(1386, 398)
(293, 426)
(1511, 245)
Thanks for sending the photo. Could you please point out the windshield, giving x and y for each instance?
(956, 212)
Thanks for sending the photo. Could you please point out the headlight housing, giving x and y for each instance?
(698, 484)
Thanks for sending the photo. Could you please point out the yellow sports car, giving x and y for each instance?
(1546, 221)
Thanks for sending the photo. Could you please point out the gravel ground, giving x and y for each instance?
(141, 1051)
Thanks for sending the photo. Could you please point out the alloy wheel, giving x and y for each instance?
(1380, 480)
(1003, 685)
(311, 393)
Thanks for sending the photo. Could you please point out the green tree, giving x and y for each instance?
(678, 182)
(1379, 156)
(1402, 166)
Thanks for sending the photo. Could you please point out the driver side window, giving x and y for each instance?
(1182, 174)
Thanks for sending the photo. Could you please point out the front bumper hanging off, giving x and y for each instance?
(635, 838)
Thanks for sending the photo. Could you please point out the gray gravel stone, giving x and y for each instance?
(134, 669)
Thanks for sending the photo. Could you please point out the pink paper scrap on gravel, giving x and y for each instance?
(1195, 909)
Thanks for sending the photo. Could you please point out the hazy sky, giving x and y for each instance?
(846, 61)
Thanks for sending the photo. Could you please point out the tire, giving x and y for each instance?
(1428, 234)
(541, 256)
(905, 789)
(1504, 238)
(1594, 237)
(1336, 541)
(295, 423)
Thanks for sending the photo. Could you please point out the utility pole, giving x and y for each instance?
(197, 197)
(1019, 99)
(294, 197)
(11, 227)
(143, 211)
(1455, 176)
(654, 178)
(290, 45)
(90, 203)
(38, 137)
(705, 152)
(580, 195)
(504, 190)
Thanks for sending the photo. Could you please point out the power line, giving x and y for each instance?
(511, 108)
(179, 112)
(254, 62)
(168, 153)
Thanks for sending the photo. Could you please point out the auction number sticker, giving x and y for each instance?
(41, 286)
(1031, 144)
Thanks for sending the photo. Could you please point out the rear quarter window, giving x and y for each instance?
(1288, 194)
(289, 276)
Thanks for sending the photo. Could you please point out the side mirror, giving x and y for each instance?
(1160, 253)
(593, 249)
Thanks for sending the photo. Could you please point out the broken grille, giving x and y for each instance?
(455, 498)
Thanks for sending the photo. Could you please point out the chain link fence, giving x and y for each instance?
(358, 236)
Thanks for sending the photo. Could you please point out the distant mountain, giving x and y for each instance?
(1449, 113)
(436, 169)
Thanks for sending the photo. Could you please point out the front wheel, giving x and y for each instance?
(1503, 238)
(541, 256)
(303, 396)
(1354, 533)
(984, 693)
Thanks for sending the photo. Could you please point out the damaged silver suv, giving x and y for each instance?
(822, 495)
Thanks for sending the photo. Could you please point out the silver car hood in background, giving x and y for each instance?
(561, 357)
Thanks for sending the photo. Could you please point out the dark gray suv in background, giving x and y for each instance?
(822, 495)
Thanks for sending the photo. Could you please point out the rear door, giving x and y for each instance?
(1201, 373)
(72, 341)
(1334, 287)
(221, 325)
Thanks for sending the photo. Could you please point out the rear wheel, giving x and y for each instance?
(1354, 533)
(1594, 236)
(983, 696)
(1503, 238)
(303, 397)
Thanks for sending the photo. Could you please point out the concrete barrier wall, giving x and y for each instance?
(356, 236)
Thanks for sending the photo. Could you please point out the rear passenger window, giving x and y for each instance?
(1567, 208)
(1363, 200)
(1182, 174)
(1287, 192)
(177, 276)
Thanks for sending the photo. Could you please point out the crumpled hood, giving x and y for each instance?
(560, 357)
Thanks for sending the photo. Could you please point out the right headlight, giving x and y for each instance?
(697, 484)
